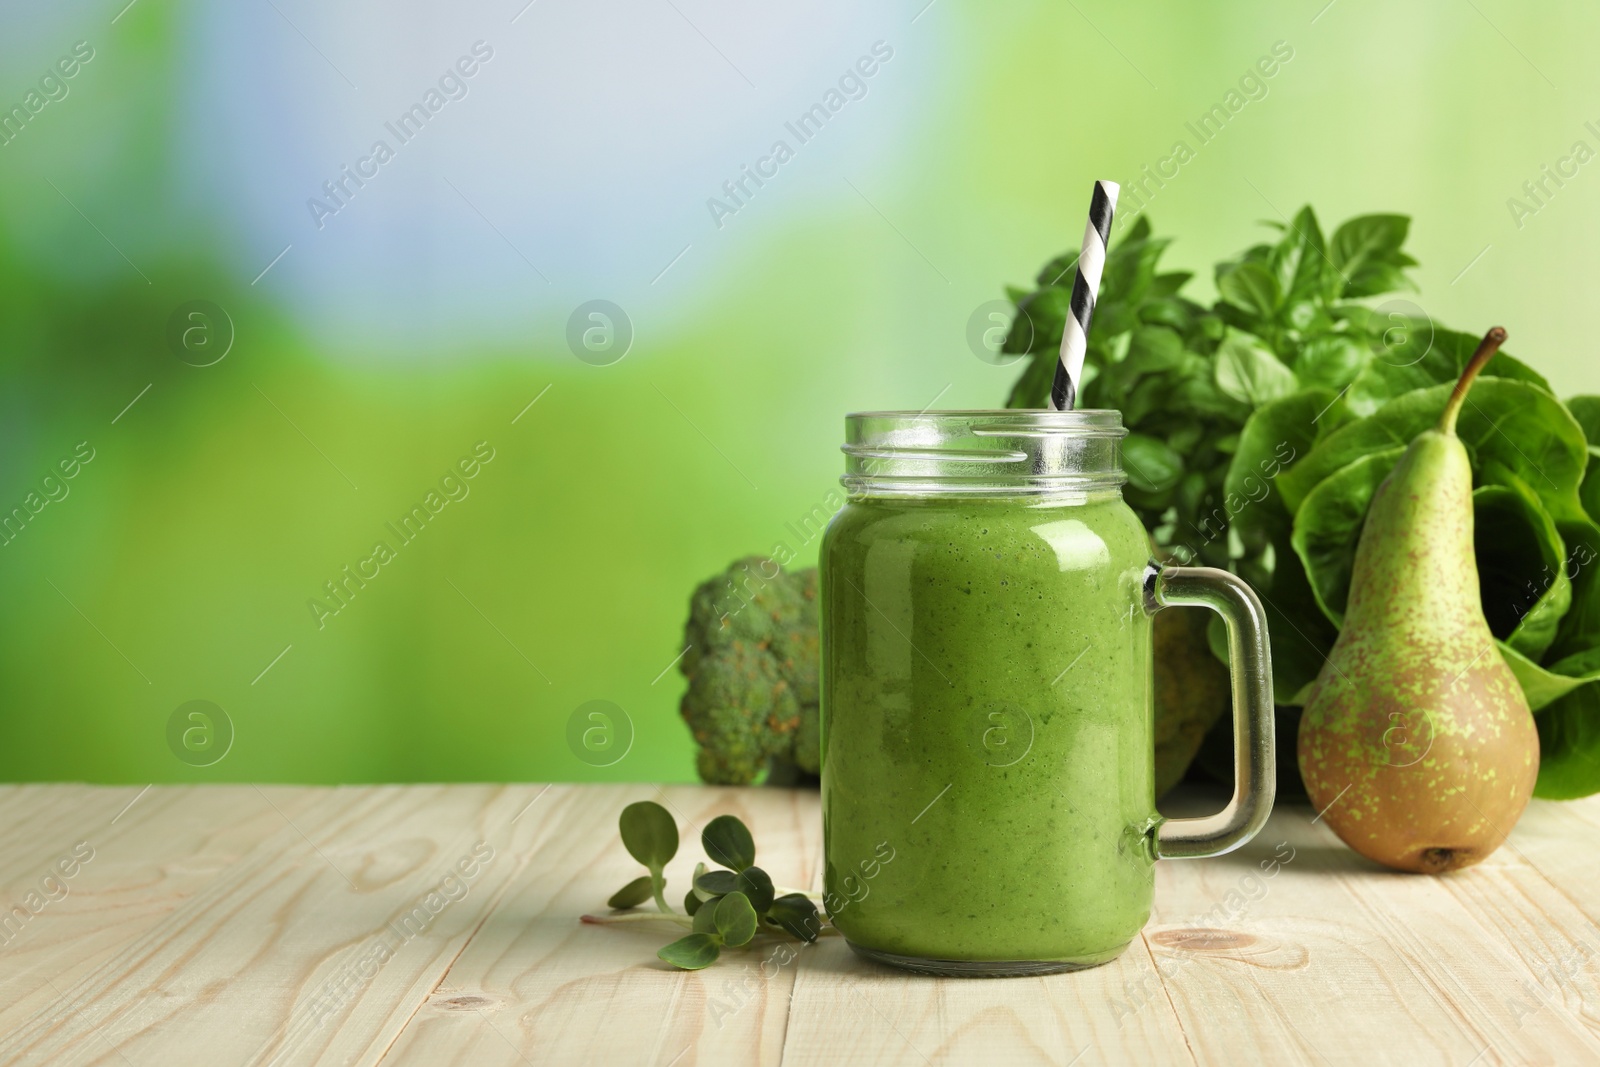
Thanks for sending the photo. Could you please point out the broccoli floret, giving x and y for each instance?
(752, 665)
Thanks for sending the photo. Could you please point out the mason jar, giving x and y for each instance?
(987, 713)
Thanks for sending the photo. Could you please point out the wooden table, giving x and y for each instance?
(438, 925)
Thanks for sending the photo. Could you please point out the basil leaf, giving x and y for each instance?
(649, 834)
(1301, 259)
(1366, 252)
(735, 920)
(692, 953)
(1252, 288)
(1248, 372)
(1039, 320)
(1569, 746)
(728, 841)
(1332, 361)
(1152, 467)
(633, 894)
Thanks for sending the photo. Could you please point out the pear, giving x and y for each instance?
(1417, 745)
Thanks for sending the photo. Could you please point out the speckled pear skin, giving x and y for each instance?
(1417, 743)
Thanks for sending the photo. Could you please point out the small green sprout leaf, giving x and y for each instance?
(692, 952)
(691, 902)
(649, 834)
(735, 919)
(728, 841)
(705, 920)
(633, 894)
(754, 883)
(797, 914)
(715, 883)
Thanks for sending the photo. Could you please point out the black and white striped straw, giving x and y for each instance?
(1085, 290)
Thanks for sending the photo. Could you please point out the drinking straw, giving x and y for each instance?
(1085, 289)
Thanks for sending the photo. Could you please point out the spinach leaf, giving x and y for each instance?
(1580, 627)
(1328, 524)
(1516, 424)
(1522, 575)
(1275, 436)
(1414, 354)
(1586, 409)
(1569, 746)
(1589, 491)
(1545, 685)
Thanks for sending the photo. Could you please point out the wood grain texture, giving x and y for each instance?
(438, 925)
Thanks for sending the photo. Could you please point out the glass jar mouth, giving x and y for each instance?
(1002, 452)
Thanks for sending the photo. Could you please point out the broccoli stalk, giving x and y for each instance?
(753, 672)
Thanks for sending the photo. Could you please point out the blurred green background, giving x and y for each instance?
(432, 308)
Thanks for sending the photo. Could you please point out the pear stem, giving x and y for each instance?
(1486, 349)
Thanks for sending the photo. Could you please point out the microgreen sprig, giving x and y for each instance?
(725, 906)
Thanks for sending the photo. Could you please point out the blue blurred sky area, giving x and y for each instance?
(576, 163)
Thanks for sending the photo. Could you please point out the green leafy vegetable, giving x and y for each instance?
(751, 657)
(1569, 745)
(1521, 567)
(1328, 525)
(723, 908)
(1248, 372)
(649, 834)
(1515, 425)
(1262, 425)
(728, 841)
(796, 913)
(633, 894)
(692, 952)
(735, 920)
(651, 837)
(715, 884)
(756, 886)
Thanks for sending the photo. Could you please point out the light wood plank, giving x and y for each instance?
(1336, 960)
(536, 986)
(262, 963)
(228, 924)
(147, 859)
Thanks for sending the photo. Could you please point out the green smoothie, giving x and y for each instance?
(987, 751)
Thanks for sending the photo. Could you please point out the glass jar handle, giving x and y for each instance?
(1255, 773)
